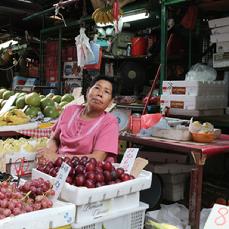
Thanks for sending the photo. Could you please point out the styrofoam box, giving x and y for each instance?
(218, 22)
(59, 215)
(93, 203)
(174, 178)
(222, 46)
(196, 113)
(221, 60)
(123, 219)
(219, 30)
(172, 168)
(173, 192)
(219, 37)
(182, 87)
(190, 102)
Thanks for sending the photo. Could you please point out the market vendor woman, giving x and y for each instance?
(86, 130)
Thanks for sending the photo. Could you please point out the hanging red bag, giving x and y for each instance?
(190, 17)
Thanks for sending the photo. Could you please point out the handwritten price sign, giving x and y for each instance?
(60, 179)
(218, 218)
(128, 159)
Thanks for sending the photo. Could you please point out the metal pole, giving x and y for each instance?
(163, 59)
(59, 60)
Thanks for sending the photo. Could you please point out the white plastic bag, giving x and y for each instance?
(84, 52)
(201, 72)
(175, 214)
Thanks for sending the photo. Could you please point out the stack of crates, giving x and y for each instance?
(111, 206)
(194, 98)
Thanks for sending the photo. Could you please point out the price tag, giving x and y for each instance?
(128, 159)
(218, 218)
(60, 179)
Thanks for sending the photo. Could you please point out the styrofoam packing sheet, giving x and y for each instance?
(196, 113)
(195, 88)
(128, 219)
(59, 215)
(218, 22)
(83, 195)
(190, 102)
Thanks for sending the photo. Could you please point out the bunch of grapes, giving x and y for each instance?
(87, 172)
(17, 200)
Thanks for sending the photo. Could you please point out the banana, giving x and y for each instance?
(160, 225)
(105, 18)
(95, 12)
(15, 117)
(96, 17)
(110, 16)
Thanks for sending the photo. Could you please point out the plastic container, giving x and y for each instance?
(135, 123)
(59, 215)
(203, 137)
(98, 202)
(139, 46)
(130, 219)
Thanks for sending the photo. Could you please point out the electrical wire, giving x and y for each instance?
(9, 68)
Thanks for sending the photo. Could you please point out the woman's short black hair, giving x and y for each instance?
(106, 78)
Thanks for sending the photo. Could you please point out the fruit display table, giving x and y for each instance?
(29, 129)
(200, 152)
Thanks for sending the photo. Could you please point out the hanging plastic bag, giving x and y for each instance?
(95, 49)
(97, 65)
(84, 52)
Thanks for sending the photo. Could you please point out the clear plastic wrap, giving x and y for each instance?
(201, 72)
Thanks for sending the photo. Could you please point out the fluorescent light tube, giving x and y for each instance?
(135, 17)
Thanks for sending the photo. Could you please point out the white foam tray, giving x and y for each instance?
(83, 195)
(59, 215)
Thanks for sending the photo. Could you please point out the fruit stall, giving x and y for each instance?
(167, 61)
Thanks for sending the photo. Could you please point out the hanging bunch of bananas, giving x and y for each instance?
(103, 15)
(14, 117)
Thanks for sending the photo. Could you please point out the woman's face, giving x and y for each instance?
(99, 96)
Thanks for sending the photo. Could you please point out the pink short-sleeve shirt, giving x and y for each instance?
(78, 136)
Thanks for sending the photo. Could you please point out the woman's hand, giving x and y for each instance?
(49, 152)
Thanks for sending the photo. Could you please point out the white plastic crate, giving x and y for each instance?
(92, 203)
(190, 102)
(128, 219)
(182, 87)
(59, 215)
